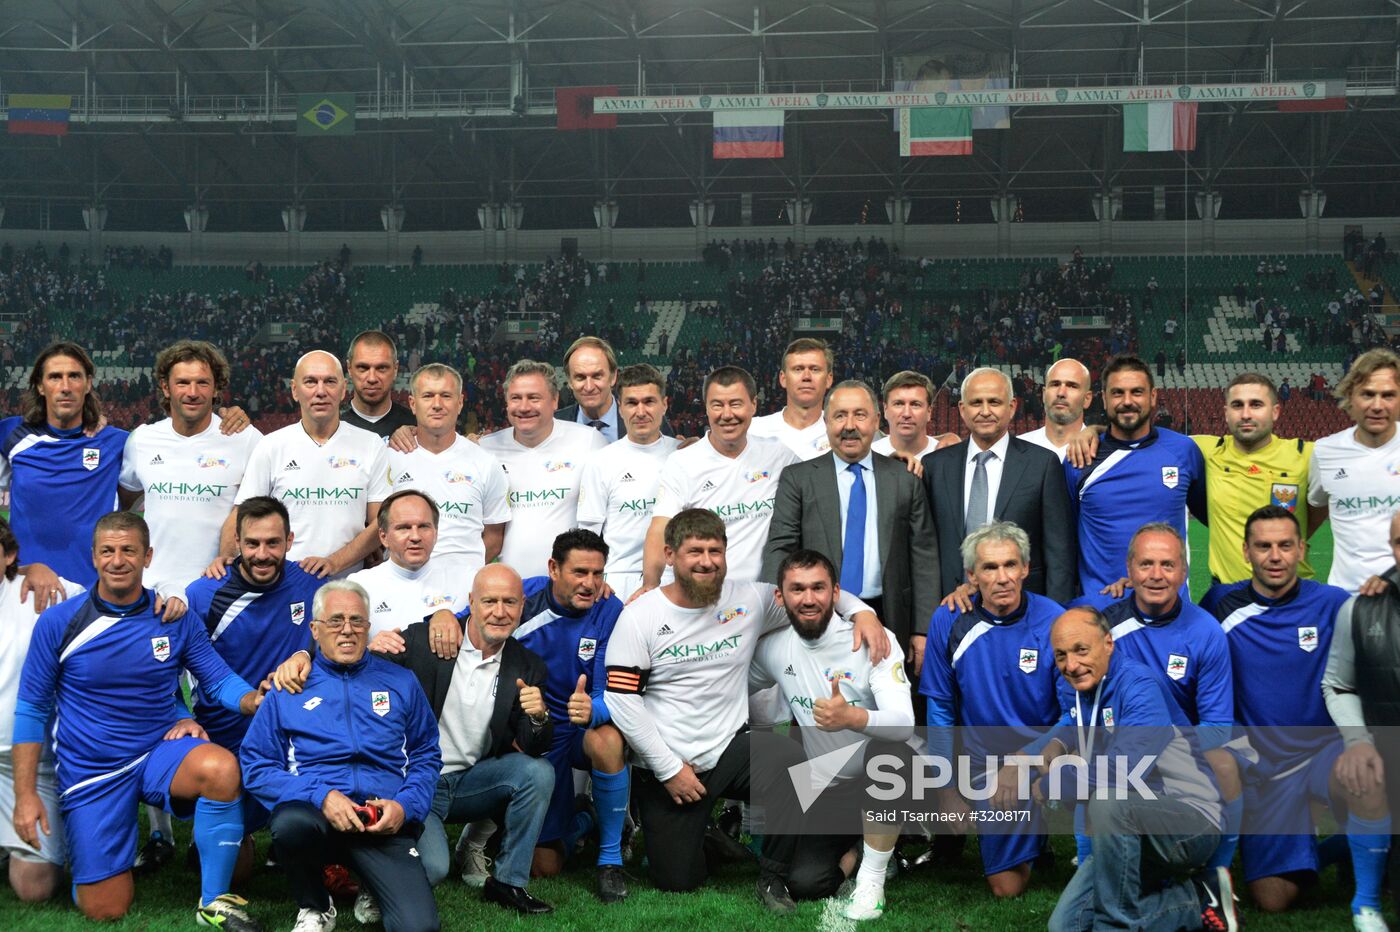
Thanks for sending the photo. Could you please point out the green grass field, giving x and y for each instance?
(935, 899)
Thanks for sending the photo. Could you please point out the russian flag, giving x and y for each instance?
(39, 114)
(749, 134)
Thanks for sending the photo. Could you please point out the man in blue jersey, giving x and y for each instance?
(1140, 474)
(970, 678)
(1182, 645)
(1279, 629)
(1149, 844)
(567, 622)
(348, 769)
(101, 671)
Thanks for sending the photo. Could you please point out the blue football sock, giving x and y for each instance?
(1332, 850)
(1369, 840)
(1230, 838)
(610, 801)
(218, 833)
(1083, 842)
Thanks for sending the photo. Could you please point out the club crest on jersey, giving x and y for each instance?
(757, 475)
(899, 676)
(556, 465)
(1176, 666)
(298, 612)
(1284, 495)
(587, 648)
(729, 614)
(379, 701)
(91, 457)
(453, 477)
(160, 647)
(1030, 659)
(1170, 476)
(342, 462)
(1108, 717)
(1307, 638)
(211, 462)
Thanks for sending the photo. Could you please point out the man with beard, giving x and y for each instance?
(806, 376)
(1140, 474)
(839, 698)
(1067, 393)
(677, 668)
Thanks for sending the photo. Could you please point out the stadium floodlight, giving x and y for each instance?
(95, 217)
(391, 216)
(897, 209)
(489, 216)
(196, 218)
(1207, 204)
(1005, 205)
(294, 218)
(696, 207)
(605, 214)
(1312, 202)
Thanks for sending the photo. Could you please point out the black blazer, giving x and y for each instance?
(510, 727)
(1033, 494)
(807, 514)
(570, 413)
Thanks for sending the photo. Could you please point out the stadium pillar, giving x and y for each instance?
(514, 214)
(95, 220)
(391, 217)
(1312, 202)
(293, 221)
(489, 216)
(605, 216)
(1207, 208)
(897, 210)
(701, 213)
(1003, 212)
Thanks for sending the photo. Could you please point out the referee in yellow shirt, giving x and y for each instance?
(1249, 468)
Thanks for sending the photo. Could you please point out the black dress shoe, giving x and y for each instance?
(516, 898)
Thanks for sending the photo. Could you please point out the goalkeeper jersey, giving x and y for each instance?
(1239, 483)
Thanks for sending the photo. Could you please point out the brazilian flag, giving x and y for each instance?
(325, 114)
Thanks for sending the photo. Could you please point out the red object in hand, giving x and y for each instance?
(368, 814)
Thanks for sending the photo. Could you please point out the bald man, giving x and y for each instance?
(1066, 395)
(330, 475)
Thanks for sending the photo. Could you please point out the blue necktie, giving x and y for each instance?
(853, 549)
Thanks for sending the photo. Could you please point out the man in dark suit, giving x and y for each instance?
(996, 477)
(887, 556)
(591, 368)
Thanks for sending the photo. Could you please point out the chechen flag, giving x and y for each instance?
(1159, 126)
(749, 134)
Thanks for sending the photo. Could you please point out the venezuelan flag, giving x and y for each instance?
(39, 114)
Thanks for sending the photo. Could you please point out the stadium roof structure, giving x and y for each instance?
(199, 102)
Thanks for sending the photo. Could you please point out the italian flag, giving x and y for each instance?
(1159, 126)
(935, 131)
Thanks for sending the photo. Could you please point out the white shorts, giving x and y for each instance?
(624, 584)
(51, 846)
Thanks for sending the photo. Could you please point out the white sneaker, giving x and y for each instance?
(867, 902)
(367, 909)
(1367, 919)
(308, 920)
(476, 866)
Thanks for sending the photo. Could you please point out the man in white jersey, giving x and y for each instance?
(806, 377)
(465, 481)
(1066, 395)
(619, 485)
(728, 472)
(543, 459)
(34, 875)
(410, 585)
(677, 667)
(330, 475)
(839, 698)
(908, 403)
(187, 466)
(1354, 474)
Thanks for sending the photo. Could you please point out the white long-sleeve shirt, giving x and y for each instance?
(1339, 681)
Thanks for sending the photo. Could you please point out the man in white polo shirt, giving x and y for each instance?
(908, 403)
(411, 584)
(806, 377)
(543, 459)
(1066, 395)
(467, 483)
(330, 475)
(619, 485)
(728, 472)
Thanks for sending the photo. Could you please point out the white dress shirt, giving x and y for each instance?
(609, 419)
(873, 583)
(994, 467)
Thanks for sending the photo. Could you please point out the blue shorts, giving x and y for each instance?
(566, 755)
(1278, 836)
(1010, 844)
(99, 814)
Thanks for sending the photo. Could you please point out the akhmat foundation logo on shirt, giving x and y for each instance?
(210, 462)
(342, 462)
(556, 465)
(453, 477)
(757, 475)
(729, 614)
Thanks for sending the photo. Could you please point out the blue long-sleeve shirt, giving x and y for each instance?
(365, 729)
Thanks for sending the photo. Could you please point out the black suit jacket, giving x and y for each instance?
(510, 727)
(807, 514)
(570, 413)
(1033, 494)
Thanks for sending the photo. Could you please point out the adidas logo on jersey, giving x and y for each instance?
(156, 460)
(627, 477)
(290, 466)
(789, 671)
(1341, 474)
(404, 478)
(665, 629)
(382, 607)
(708, 486)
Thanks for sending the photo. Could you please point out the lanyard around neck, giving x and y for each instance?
(1086, 735)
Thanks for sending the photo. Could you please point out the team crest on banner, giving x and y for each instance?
(1284, 495)
(1176, 666)
(160, 647)
(587, 647)
(1307, 638)
(91, 457)
(1030, 658)
(1170, 476)
(298, 612)
(379, 701)
(1108, 716)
